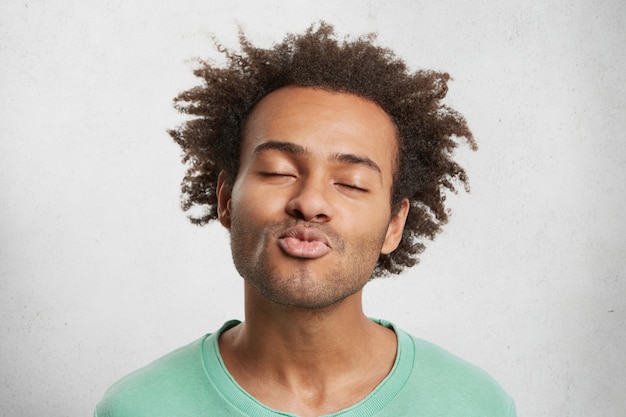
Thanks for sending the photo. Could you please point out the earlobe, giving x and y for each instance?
(223, 200)
(396, 228)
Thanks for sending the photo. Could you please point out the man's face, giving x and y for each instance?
(309, 212)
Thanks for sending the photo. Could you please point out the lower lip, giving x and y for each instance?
(303, 249)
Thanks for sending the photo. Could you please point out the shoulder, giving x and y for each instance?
(176, 375)
(444, 381)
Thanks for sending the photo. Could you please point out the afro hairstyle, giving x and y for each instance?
(427, 130)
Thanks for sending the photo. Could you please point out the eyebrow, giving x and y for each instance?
(348, 158)
(287, 147)
(297, 150)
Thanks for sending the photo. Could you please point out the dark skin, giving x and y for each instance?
(428, 131)
(305, 362)
(306, 347)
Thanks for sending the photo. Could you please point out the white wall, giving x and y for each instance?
(100, 271)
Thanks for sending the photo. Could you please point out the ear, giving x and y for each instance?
(223, 200)
(395, 228)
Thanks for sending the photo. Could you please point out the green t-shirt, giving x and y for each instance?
(193, 381)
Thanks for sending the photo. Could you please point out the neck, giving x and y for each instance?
(305, 334)
(315, 352)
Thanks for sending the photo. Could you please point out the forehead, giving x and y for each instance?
(323, 122)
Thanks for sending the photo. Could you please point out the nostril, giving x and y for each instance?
(298, 214)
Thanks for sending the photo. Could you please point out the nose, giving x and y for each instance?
(310, 202)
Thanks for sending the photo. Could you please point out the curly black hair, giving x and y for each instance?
(428, 131)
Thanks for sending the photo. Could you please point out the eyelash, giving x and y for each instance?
(275, 174)
(353, 187)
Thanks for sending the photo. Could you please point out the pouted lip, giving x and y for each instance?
(306, 234)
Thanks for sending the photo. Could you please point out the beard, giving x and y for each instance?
(303, 283)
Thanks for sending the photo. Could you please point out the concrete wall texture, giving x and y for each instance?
(100, 272)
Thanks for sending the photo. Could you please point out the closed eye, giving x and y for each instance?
(276, 177)
(353, 187)
(275, 174)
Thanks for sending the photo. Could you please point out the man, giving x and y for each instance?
(327, 162)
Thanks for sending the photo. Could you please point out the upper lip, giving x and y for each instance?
(307, 234)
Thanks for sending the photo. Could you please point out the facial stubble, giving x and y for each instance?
(255, 254)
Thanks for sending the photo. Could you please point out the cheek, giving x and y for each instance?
(369, 215)
(253, 212)
(246, 236)
(256, 200)
(368, 226)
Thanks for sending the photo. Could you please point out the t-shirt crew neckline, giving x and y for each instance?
(232, 392)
